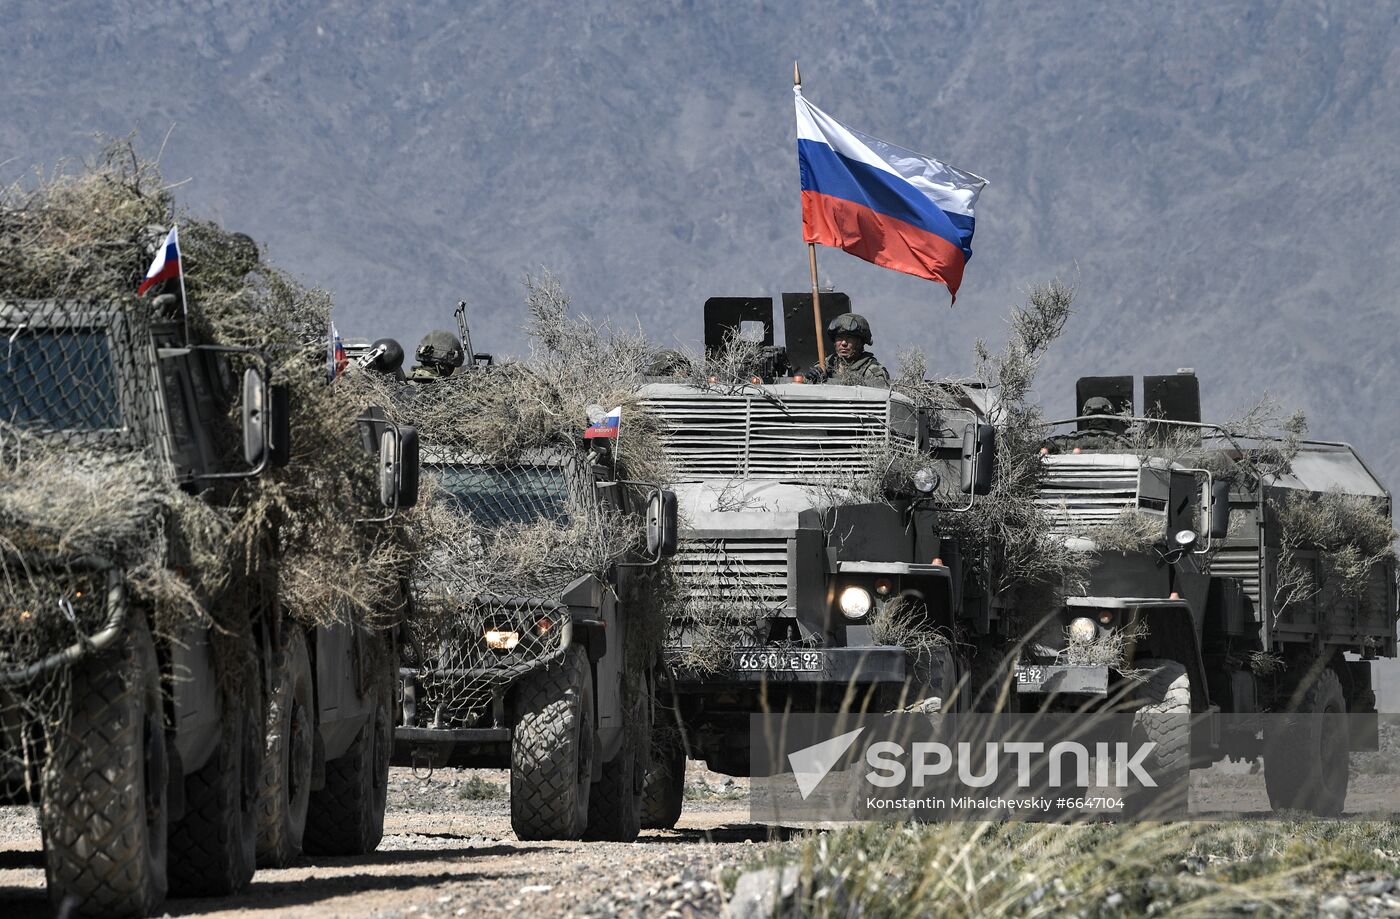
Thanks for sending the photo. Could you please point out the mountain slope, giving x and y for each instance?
(1218, 180)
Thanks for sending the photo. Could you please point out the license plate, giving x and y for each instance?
(1030, 677)
(777, 661)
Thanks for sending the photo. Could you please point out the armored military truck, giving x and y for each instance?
(1212, 592)
(813, 577)
(170, 722)
(525, 648)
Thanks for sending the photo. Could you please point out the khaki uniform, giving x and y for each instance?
(426, 374)
(863, 371)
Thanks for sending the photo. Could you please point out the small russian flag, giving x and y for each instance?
(608, 427)
(336, 359)
(166, 264)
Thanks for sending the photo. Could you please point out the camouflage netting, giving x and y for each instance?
(1023, 554)
(85, 485)
(509, 515)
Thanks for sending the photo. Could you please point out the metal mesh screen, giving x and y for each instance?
(79, 503)
(463, 653)
(59, 379)
(502, 541)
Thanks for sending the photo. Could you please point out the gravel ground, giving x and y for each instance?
(448, 851)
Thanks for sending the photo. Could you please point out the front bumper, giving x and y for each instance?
(19, 673)
(1061, 679)
(865, 665)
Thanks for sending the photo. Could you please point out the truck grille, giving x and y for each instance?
(719, 436)
(730, 584)
(735, 572)
(1093, 491)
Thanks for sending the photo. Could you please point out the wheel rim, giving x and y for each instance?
(156, 773)
(248, 749)
(585, 750)
(299, 753)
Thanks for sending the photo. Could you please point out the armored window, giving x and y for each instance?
(58, 380)
(495, 495)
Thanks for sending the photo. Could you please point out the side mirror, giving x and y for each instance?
(978, 458)
(663, 525)
(279, 425)
(255, 420)
(1219, 510)
(398, 467)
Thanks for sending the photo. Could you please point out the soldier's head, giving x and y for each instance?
(1096, 405)
(440, 352)
(851, 333)
(668, 363)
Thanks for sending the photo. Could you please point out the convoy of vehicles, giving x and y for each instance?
(807, 526)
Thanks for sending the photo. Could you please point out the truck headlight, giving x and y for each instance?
(925, 480)
(855, 602)
(501, 640)
(1083, 629)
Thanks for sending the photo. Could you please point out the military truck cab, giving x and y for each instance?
(1190, 612)
(533, 676)
(152, 733)
(798, 565)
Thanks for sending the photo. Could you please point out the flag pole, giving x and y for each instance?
(184, 301)
(812, 262)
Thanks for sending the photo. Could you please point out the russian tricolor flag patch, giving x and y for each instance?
(607, 427)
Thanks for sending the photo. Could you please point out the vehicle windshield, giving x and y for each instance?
(58, 380)
(495, 495)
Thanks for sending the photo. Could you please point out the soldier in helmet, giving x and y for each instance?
(849, 363)
(438, 354)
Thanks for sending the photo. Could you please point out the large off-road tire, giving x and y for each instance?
(346, 816)
(1306, 751)
(1164, 718)
(213, 846)
(663, 789)
(615, 801)
(103, 811)
(285, 791)
(551, 751)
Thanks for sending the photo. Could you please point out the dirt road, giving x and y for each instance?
(448, 851)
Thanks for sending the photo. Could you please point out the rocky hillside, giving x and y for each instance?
(1220, 180)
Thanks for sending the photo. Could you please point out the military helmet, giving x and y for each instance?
(440, 348)
(1097, 405)
(850, 324)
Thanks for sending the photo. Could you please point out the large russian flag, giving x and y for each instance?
(883, 203)
(166, 264)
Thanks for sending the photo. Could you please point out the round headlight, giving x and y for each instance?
(855, 602)
(1083, 629)
(1185, 538)
(925, 480)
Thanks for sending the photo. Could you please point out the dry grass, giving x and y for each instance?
(1351, 535)
(1016, 869)
(1110, 650)
(1131, 531)
(83, 233)
(1011, 539)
